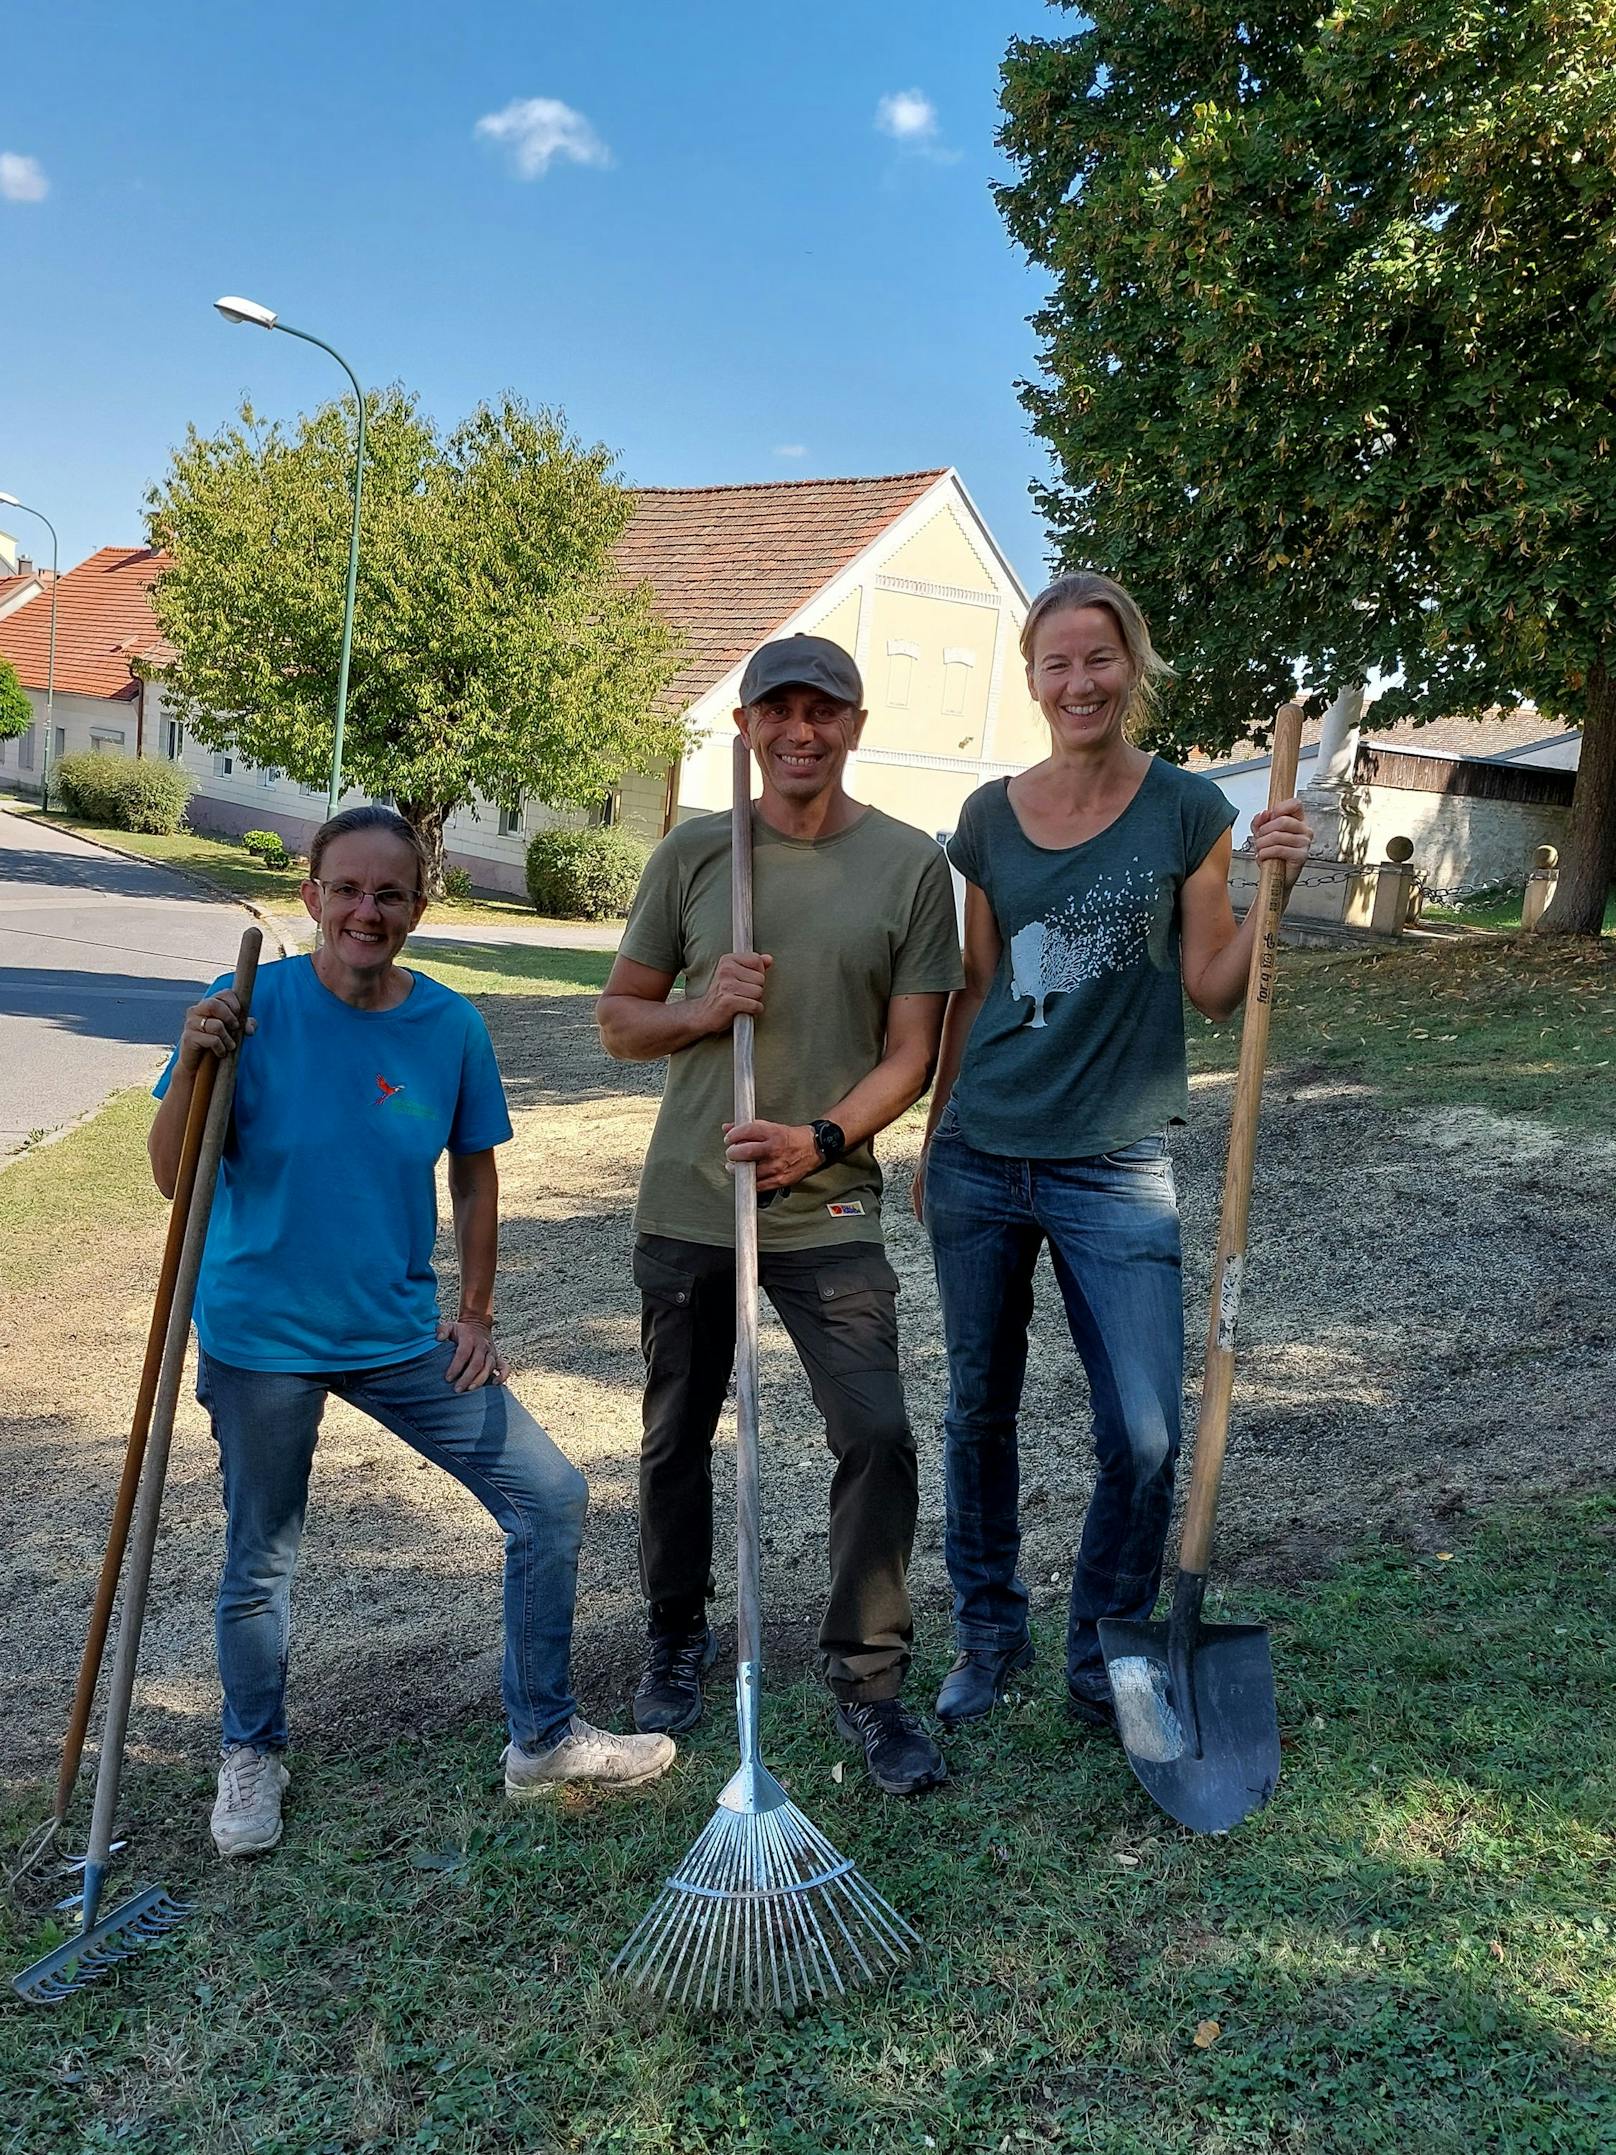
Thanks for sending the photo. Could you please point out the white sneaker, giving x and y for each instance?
(247, 1812)
(589, 1755)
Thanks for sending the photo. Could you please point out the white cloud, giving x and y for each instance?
(907, 116)
(22, 179)
(538, 130)
(791, 448)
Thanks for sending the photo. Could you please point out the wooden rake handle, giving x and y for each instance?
(1228, 1272)
(135, 1451)
(748, 1560)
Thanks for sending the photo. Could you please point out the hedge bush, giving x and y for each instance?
(457, 884)
(269, 846)
(131, 794)
(584, 875)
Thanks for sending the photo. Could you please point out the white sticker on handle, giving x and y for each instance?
(1234, 1266)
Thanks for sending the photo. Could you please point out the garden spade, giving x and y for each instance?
(1195, 1701)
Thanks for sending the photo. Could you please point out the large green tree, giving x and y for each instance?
(16, 712)
(496, 651)
(1329, 358)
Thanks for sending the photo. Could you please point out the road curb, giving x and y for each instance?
(284, 947)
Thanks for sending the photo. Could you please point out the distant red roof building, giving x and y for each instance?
(726, 564)
(104, 621)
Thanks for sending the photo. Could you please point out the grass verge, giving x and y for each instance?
(1500, 912)
(1411, 1948)
(239, 874)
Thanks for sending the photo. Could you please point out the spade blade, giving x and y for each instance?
(1211, 1758)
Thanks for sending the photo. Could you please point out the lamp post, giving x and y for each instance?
(12, 502)
(248, 310)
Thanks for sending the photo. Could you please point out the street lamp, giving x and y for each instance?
(248, 310)
(12, 502)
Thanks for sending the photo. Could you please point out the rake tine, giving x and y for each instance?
(145, 1920)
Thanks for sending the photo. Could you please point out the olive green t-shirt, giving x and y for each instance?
(850, 922)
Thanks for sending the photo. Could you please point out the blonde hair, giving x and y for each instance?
(1089, 588)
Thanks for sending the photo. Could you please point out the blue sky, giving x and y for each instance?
(732, 242)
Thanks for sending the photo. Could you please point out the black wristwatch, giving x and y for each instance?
(831, 1141)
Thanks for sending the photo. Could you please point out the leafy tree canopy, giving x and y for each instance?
(16, 712)
(495, 651)
(1330, 352)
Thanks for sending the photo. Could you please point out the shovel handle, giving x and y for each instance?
(1228, 1271)
(748, 1561)
(135, 1451)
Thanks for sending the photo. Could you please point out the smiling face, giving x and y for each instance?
(367, 899)
(1081, 677)
(802, 739)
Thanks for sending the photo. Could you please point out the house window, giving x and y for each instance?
(315, 793)
(224, 763)
(900, 672)
(60, 749)
(510, 821)
(957, 664)
(104, 740)
(25, 750)
(607, 811)
(173, 739)
(269, 776)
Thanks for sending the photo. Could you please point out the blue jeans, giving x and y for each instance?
(1112, 1227)
(266, 1423)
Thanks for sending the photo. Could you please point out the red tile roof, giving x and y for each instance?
(103, 621)
(11, 585)
(726, 564)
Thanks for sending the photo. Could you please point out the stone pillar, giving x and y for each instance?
(1543, 879)
(1332, 773)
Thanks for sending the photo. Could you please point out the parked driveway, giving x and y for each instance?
(99, 956)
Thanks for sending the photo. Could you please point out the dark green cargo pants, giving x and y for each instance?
(839, 1305)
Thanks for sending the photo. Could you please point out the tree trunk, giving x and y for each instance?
(1588, 859)
(426, 819)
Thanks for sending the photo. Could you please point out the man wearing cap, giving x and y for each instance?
(858, 948)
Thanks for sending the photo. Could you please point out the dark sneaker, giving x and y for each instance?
(975, 1684)
(1089, 1700)
(901, 1757)
(668, 1698)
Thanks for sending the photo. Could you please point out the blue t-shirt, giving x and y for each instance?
(319, 1249)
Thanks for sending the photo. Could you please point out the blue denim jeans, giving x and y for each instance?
(1112, 1227)
(266, 1423)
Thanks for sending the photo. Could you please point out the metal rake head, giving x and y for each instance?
(145, 1919)
(764, 1914)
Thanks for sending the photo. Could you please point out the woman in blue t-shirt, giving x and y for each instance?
(1096, 898)
(356, 1076)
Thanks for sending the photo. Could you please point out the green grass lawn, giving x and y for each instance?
(1524, 1026)
(1409, 1950)
(1500, 911)
(231, 868)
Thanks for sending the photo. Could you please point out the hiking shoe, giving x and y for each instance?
(1089, 1700)
(900, 1756)
(975, 1683)
(247, 1810)
(593, 1756)
(667, 1699)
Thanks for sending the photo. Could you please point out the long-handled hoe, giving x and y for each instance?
(763, 1914)
(148, 1916)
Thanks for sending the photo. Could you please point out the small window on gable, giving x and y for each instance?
(900, 672)
(957, 664)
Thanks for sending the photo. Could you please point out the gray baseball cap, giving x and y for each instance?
(802, 662)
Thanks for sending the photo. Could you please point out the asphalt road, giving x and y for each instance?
(99, 956)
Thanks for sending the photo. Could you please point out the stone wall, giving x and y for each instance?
(1473, 824)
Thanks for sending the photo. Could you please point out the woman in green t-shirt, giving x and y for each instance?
(1096, 898)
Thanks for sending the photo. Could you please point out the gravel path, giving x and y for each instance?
(1427, 1331)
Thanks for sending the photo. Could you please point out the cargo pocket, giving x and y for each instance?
(667, 1313)
(858, 1312)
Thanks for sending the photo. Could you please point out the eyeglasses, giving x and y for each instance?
(390, 900)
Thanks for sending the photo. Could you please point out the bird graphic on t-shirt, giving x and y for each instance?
(387, 1091)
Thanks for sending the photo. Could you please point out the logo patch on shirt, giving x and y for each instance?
(841, 1212)
(384, 1091)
